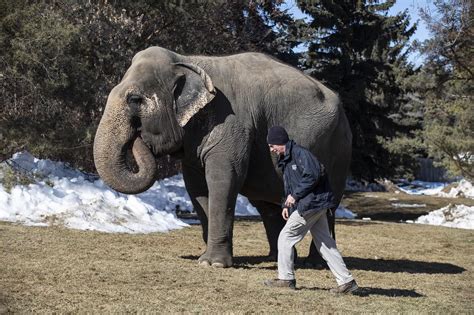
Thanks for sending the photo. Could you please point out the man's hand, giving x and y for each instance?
(284, 213)
(290, 201)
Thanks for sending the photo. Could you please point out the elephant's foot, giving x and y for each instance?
(272, 255)
(314, 259)
(217, 258)
(315, 262)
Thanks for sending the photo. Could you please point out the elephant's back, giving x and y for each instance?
(268, 92)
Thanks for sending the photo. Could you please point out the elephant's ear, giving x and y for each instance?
(193, 90)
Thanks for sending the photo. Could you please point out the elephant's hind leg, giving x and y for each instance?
(273, 223)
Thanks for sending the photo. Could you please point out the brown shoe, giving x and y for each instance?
(348, 287)
(278, 283)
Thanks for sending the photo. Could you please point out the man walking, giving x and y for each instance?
(308, 197)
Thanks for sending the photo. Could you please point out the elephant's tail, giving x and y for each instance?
(331, 215)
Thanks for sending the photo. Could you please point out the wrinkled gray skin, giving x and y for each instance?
(214, 113)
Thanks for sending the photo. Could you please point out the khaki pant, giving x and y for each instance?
(294, 231)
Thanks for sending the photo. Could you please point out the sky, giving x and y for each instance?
(421, 32)
(413, 7)
(63, 196)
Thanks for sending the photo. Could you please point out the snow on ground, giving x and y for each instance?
(458, 216)
(65, 196)
(344, 213)
(462, 189)
(408, 205)
(422, 188)
(68, 197)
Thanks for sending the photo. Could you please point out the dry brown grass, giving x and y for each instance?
(400, 268)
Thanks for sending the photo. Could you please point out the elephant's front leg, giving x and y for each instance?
(195, 181)
(222, 183)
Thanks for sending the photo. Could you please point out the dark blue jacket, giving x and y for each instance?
(305, 179)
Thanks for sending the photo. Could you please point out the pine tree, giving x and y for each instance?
(360, 52)
(448, 86)
(60, 59)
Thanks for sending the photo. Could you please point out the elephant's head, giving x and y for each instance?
(145, 115)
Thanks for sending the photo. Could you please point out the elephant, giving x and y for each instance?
(213, 113)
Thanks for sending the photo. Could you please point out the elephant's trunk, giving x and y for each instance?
(114, 139)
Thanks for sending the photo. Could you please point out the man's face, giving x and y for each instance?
(277, 148)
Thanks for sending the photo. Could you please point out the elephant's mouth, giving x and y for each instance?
(131, 162)
(178, 154)
(159, 146)
(160, 142)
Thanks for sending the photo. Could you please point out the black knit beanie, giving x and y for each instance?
(277, 135)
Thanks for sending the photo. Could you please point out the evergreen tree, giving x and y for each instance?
(59, 59)
(447, 86)
(360, 52)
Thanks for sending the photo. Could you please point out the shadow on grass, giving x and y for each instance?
(401, 265)
(378, 265)
(353, 222)
(368, 291)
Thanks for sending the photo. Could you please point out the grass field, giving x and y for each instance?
(401, 268)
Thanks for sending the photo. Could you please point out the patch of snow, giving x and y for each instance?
(407, 205)
(457, 216)
(462, 189)
(68, 197)
(244, 208)
(366, 219)
(344, 213)
(80, 204)
(422, 188)
(44, 168)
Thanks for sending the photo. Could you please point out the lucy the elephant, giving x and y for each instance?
(214, 113)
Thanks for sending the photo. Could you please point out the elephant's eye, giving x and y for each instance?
(134, 99)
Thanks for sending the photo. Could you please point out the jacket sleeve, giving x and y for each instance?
(310, 174)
